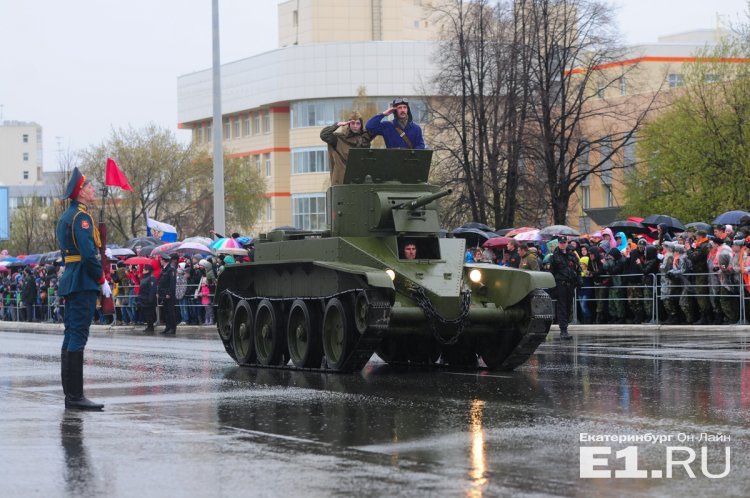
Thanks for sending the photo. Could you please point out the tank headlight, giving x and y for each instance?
(475, 276)
(391, 274)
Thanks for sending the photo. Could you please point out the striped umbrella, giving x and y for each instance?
(225, 243)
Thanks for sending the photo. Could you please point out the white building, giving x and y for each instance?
(20, 153)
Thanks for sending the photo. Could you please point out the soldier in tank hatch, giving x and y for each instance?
(402, 132)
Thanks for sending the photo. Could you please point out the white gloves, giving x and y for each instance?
(106, 291)
(108, 253)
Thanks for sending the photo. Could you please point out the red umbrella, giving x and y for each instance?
(496, 242)
(138, 260)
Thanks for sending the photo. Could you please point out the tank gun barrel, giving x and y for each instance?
(423, 201)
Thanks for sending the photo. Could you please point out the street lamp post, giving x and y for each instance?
(219, 223)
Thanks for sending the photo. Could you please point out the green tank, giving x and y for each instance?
(330, 299)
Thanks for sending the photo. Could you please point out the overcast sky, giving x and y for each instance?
(81, 67)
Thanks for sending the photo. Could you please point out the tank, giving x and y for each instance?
(330, 299)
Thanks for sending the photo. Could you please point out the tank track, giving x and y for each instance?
(542, 311)
(377, 319)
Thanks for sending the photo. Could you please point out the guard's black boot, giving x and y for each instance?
(702, 320)
(64, 370)
(149, 329)
(74, 399)
(565, 336)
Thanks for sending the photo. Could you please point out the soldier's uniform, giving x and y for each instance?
(80, 284)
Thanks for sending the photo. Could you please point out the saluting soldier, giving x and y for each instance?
(167, 288)
(80, 285)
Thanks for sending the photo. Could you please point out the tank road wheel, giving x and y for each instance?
(303, 335)
(243, 338)
(269, 338)
(224, 315)
(361, 308)
(339, 334)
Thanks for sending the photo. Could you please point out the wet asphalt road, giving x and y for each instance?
(182, 420)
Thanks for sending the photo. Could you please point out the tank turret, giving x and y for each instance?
(330, 299)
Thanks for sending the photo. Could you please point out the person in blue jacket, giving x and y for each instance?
(80, 284)
(402, 132)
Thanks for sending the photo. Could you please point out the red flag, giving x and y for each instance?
(114, 177)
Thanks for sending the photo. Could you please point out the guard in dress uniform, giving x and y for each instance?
(80, 284)
(167, 288)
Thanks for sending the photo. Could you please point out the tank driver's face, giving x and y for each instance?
(402, 111)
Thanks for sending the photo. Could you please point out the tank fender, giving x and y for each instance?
(375, 277)
(506, 286)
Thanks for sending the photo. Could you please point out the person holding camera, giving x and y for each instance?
(402, 132)
(341, 137)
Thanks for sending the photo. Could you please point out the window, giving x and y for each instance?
(26, 175)
(236, 132)
(246, 126)
(309, 160)
(324, 112)
(608, 197)
(257, 162)
(605, 152)
(295, 18)
(256, 124)
(585, 197)
(712, 78)
(25, 156)
(197, 135)
(623, 86)
(309, 211)
(208, 133)
(227, 129)
(583, 164)
(267, 122)
(25, 138)
(675, 80)
(628, 157)
(267, 158)
(600, 89)
(269, 209)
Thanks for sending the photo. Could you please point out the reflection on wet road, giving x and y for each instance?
(180, 416)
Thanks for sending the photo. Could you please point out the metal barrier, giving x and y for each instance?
(713, 292)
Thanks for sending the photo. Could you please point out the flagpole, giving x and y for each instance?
(217, 124)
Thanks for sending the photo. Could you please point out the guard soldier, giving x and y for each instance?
(167, 288)
(564, 267)
(80, 284)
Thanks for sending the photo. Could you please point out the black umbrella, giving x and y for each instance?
(730, 218)
(477, 225)
(50, 257)
(145, 250)
(673, 224)
(474, 237)
(503, 231)
(555, 230)
(699, 225)
(627, 227)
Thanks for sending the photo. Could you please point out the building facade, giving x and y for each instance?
(20, 153)
(647, 72)
(335, 56)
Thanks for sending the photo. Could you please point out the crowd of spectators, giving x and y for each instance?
(691, 277)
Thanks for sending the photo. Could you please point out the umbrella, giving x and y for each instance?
(50, 257)
(138, 260)
(477, 225)
(245, 241)
(165, 249)
(531, 235)
(143, 242)
(191, 247)
(237, 251)
(503, 231)
(627, 227)
(496, 242)
(31, 259)
(206, 241)
(225, 242)
(558, 230)
(121, 251)
(516, 231)
(673, 224)
(730, 218)
(11, 259)
(699, 225)
(474, 236)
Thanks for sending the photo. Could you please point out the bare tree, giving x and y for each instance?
(576, 66)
